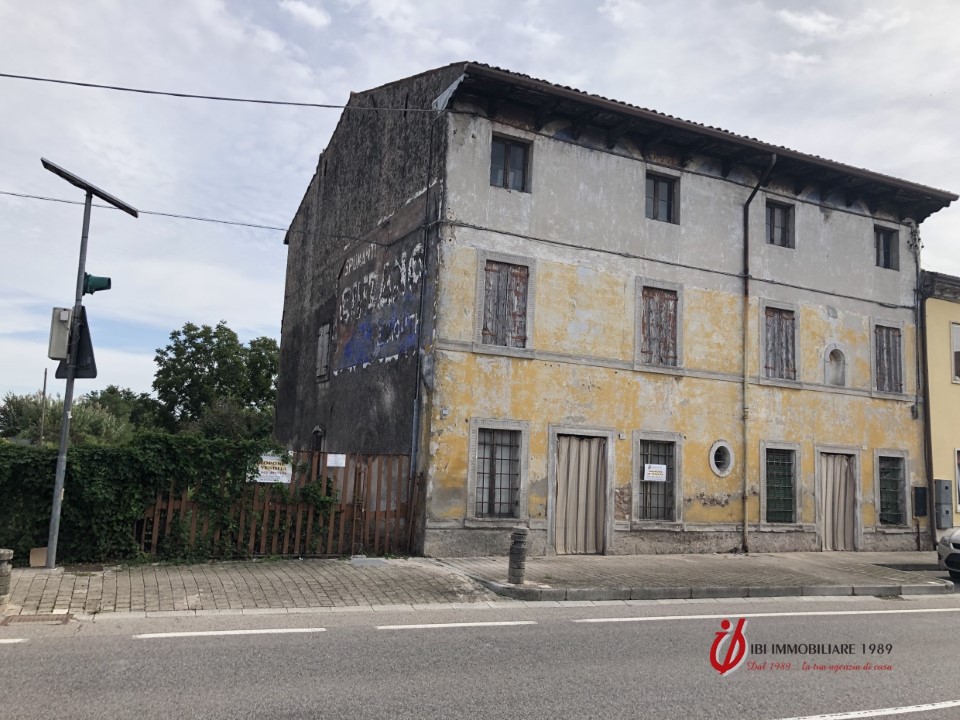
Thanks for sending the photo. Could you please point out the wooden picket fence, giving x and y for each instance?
(370, 512)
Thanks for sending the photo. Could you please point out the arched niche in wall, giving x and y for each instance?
(834, 366)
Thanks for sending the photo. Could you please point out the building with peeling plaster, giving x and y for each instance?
(628, 331)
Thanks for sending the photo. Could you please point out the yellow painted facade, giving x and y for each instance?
(942, 316)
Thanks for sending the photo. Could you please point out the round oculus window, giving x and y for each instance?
(721, 458)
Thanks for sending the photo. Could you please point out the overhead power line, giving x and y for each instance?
(192, 96)
(149, 212)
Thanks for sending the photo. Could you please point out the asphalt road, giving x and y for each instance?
(648, 660)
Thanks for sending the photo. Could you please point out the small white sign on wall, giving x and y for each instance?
(335, 460)
(654, 473)
(273, 470)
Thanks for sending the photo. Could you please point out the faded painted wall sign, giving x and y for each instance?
(378, 299)
(272, 469)
(654, 473)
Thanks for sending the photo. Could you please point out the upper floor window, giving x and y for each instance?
(661, 198)
(658, 344)
(955, 350)
(887, 246)
(509, 163)
(780, 225)
(780, 344)
(888, 359)
(505, 304)
(323, 353)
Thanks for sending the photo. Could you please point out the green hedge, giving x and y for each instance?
(108, 487)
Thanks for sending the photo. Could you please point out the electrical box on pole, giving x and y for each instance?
(85, 366)
(60, 333)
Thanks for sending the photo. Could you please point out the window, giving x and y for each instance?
(661, 198)
(323, 353)
(780, 343)
(498, 473)
(835, 368)
(658, 345)
(508, 164)
(955, 351)
(887, 247)
(889, 366)
(780, 224)
(721, 458)
(780, 484)
(891, 497)
(656, 497)
(505, 304)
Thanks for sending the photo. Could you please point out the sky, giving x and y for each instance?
(872, 84)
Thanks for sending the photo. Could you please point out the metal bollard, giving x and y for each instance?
(518, 555)
(6, 558)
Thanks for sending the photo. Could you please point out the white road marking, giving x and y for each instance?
(210, 633)
(11, 641)
(820, 613)
(882, 712)
(456, 625)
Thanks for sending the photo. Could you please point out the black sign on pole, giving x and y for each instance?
(86, 364)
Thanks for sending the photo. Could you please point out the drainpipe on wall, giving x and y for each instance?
(745, 541)
(923, 379)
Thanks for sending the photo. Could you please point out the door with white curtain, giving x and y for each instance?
(837, 502)
(581, 506)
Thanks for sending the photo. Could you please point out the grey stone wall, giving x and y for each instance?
(358, 248)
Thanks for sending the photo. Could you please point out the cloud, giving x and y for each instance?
(818, 25)
(309, 14)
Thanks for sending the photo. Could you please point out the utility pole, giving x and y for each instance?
(82, 286)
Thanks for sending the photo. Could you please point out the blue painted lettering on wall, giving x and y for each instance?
(378, 304)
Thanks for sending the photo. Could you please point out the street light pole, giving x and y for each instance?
(54, 533)
(73, 350)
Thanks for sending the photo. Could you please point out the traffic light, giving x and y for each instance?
(92, 283)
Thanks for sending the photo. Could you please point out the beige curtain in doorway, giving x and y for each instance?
(838, 497)
(581, 506)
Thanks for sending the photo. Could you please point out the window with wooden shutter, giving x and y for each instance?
(659, 326)
(780, 338)
(505, 304)
(888, 359)
(323, 353)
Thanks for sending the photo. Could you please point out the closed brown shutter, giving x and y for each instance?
(780, 350)
(659, 327)
(889, 366)
(505, 304)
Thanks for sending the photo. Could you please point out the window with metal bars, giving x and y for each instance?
(505, 304)
(498, 473)
(891, 490)
(889, 365)
(780, 339)
(661, 192)
(886, 244)
(656, 499)
(659, 326)
(780, 485)
(780, 225)
(508, 164)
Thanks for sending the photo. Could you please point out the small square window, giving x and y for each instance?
(780, 225)
(887, 247)
(508, 164)
(661, 198)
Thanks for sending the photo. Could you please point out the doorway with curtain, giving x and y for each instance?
(837, 502)
(581, 495)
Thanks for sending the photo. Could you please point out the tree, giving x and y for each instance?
(140, 410)
(89, 422)
(208, 381)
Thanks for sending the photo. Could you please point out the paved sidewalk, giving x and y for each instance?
(654, 577)
(252, 586)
